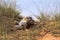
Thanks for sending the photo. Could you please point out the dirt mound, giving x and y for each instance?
(48, 37)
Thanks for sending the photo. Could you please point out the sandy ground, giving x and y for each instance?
(48, 37)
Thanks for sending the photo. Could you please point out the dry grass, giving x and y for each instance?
(7, 31)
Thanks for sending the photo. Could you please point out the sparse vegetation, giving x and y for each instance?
(7, 31)
(7, 17)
